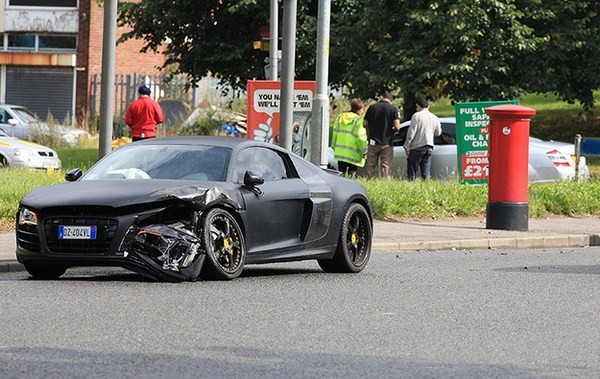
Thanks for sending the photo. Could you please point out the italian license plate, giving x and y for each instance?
(76, 232)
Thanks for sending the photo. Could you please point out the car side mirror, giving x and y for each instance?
(253, 178)
(13, 122)
(73, 175)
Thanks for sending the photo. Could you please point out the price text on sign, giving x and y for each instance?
(475, 168)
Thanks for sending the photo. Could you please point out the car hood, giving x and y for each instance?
(120, 193)
(18, 143)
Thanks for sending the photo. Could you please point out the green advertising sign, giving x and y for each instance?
(472, 140)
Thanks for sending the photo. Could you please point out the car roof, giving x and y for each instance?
(443, 120)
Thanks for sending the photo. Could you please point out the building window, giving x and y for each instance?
(21, 42)
(57, 42)
(65, 43)
(44, 3)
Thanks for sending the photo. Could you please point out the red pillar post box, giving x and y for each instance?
(508, 151)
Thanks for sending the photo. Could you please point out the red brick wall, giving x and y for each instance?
(128, 59)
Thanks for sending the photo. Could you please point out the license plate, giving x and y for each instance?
(76, 232)
(50, 164)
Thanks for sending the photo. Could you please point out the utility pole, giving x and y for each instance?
(107, 93)
(274, 40)
(319, 140)
(286, 111)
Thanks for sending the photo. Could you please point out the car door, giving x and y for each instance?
(274, 215)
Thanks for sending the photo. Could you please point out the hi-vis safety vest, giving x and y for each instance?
(349, 139)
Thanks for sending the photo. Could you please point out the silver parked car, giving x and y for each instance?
(548, 160)
(27, 155)
(18, 121)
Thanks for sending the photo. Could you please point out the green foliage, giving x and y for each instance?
(460, 49)
(208, 124)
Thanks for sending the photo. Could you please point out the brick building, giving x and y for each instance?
(50, 51)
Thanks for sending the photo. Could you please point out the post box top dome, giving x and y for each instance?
(509, 110)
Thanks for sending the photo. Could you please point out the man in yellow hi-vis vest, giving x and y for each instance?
(349, 139)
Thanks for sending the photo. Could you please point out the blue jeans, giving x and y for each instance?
(419, 158)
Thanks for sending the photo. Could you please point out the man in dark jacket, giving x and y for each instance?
(382, 122)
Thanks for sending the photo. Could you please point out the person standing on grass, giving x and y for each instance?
(382, 122)
(143, 116)
(418, 145)
(349, 139)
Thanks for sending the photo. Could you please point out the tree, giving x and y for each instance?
(466, 50)
(566, 58)
(200, 37)
(461, 49)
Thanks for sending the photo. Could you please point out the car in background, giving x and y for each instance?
(188, 208)
(26, 155)
(18, 121)
(549, 161)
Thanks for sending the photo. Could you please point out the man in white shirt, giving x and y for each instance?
(424, 126)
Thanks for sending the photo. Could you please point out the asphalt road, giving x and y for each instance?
(452, 314)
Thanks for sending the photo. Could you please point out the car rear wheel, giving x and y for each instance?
(225, 247)
(44, 271)
(354, 244)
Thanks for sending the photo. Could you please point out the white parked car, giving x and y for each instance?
(548, 160)
(27, 155)
(18, 121)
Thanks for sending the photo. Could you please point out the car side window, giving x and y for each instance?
(4, 117)
(262, 160)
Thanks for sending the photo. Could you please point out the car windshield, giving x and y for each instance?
(173, 162)
(25, 115)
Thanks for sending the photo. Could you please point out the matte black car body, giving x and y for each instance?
(172, 224)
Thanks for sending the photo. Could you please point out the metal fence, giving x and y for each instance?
(162, 87)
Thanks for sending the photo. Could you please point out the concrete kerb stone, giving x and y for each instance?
(11, 266)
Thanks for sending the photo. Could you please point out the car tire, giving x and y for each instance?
(354, 243)
(3, 162)
(44, 271)
(224, 243)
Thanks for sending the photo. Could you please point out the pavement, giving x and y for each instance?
(444, 234)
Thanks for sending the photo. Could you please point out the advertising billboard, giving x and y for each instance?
(472, 135)
(263, 113)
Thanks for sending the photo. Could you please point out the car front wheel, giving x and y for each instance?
(224, 244)
(354, 243)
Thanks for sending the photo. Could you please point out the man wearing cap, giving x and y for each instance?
(381, 122)
(418, 145)
(143, 115)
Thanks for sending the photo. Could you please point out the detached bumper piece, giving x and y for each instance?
(165, 253)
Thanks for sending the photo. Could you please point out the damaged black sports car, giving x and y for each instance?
(189, 208)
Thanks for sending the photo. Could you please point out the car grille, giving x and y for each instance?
(105, 232)
(46, 153)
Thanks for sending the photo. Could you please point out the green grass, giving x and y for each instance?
(77, 158)
(397, 199)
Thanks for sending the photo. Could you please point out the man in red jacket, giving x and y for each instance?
(143, 115)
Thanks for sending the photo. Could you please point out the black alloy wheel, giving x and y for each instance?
(354, 244)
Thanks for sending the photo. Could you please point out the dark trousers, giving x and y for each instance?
(419, 158)
(347, 168)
